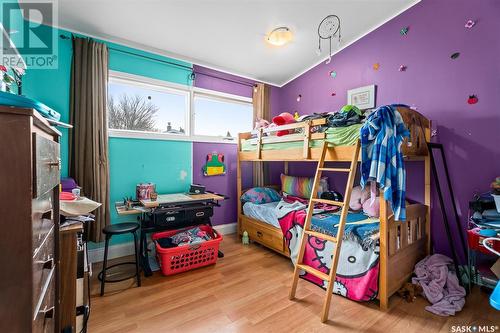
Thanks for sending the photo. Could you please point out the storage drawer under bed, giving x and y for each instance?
(266, 235)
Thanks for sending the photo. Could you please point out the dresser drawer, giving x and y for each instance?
(43, 264)
(42, 218)
(44, 314)
(46, 165)
(261, 233)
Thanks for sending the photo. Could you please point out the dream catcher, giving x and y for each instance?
(328, 29)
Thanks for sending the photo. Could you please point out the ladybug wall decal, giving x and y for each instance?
(472, 99)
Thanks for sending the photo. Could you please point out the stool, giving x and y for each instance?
(118, 229)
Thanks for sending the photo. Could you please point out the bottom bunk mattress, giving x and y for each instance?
(263, 212)
(358, 267)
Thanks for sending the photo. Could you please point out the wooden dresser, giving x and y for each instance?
(29, 221)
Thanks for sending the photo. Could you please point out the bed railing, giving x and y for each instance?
(414, 146)
(303, 129)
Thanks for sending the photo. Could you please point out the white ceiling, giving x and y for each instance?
(228, 35)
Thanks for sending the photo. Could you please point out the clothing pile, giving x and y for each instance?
(186, 237)
(440, 285)
(382, 159)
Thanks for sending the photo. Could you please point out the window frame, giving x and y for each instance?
(190, 92)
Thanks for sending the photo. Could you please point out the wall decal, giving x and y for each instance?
(299, 97)
(404, 31)
(183, 174)
(376, 66)
(455, 55)
(470, 23)
(333, 74)
(334, 94)
(214, 165)
(472, 99)
(402, 68)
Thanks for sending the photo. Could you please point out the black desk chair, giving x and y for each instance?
(118, 229)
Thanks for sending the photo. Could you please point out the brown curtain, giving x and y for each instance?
(88, 147)
(261, 110)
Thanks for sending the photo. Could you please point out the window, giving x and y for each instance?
(215, 116)
(134, 106)
(147, 108)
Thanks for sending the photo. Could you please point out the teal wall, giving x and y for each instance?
(131, 161)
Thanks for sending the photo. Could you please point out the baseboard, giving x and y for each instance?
(227, 229)
(127, 249)
(114, 251)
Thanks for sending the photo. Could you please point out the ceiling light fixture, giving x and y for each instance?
(280, 36)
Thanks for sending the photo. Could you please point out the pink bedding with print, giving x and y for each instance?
(358, 267)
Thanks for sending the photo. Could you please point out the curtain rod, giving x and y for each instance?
(171, 63)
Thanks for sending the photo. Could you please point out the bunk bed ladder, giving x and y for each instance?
(330, 278)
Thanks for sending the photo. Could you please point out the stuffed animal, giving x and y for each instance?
(361, 200)
(372, 209)
(283, 119)
(358, 197)
(410, 291)
(261, 123)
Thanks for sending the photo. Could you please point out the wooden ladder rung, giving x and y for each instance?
(335, 169)
(315, 272)
(328, 202)
(321, 235)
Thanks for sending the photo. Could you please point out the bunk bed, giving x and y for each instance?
(401, 244)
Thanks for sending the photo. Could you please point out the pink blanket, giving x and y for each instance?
(357, 271)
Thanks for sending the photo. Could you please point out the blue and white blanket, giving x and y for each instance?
(382, 158)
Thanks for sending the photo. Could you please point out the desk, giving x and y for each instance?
(170, 211)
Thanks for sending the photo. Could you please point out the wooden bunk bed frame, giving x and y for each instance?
(402, 244)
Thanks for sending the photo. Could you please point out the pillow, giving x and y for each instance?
(260, 195)
(302, 186)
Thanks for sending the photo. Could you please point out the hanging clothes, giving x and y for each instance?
(382, 159)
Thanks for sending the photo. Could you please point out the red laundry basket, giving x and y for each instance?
(186, 257)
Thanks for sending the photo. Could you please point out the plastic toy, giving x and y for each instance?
(245, 239)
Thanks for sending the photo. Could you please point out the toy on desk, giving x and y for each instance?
(196, 189)
(245, 239)
(128, 202)
(215, 165)
(143, 190)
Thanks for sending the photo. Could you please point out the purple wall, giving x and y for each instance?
(225, 184)
(433, 83)
(204, 79)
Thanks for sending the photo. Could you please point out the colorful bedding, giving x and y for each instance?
(264, 212)
(337, 136)
(357, 271)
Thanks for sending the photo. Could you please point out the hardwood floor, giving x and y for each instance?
(247, 291)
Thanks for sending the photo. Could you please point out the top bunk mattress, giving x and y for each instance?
(336, 136)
